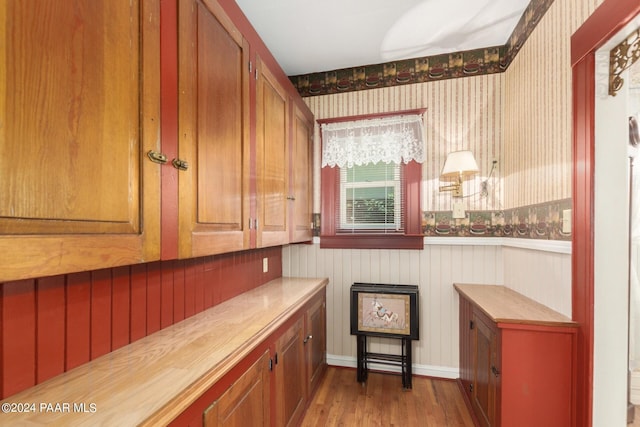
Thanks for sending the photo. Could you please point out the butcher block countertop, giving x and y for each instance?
(504, 305)
(154, 379)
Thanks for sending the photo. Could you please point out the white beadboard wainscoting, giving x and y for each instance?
(542, 271)
(543, 275)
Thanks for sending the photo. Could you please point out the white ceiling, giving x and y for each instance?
(307, 36)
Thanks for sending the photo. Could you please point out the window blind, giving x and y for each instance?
(370, 199)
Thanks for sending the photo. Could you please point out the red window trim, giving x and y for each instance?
(371, 116)
(411, 239)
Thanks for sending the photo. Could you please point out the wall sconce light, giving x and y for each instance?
(458, 166)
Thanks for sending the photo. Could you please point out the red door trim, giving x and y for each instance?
(606, 21)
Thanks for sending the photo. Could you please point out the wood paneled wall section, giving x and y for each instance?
(53, 324)
(433, 269)
(537, 109)
(464, 113)
(540, 275)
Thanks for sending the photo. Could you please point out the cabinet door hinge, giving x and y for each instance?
(270, 364)
(471, 324)
(276, 357)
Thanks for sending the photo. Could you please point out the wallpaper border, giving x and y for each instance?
(539, 221)
(542, 221)
(490, 60)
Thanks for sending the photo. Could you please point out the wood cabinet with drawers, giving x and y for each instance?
(516, 359)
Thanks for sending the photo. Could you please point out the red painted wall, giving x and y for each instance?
(53, 324)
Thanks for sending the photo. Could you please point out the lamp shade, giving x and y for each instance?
(459, 164)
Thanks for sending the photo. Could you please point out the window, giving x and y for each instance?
(370, 198)
(371, 178)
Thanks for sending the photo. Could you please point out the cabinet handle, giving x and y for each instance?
(306, 340)
(291, 198)
(180, 164)
(157, 157)
(495, 371)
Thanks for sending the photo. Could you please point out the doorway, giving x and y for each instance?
(600, 249)
(616, 232)
(633, 79)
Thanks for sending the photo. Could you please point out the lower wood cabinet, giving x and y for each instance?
(246, 402)
(275, 389)
(290, 374)
(315, 342)
(516, 359)
(300, 361)
(487, 369)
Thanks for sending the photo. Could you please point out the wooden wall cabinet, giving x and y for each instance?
(80, 108)
(272, 159)
(93, 89)
(234, 132)
(213, 131)
(301, 181)
(516, 359)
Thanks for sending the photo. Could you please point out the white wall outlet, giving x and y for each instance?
(566, 221)
(458, 209)
(265, 265)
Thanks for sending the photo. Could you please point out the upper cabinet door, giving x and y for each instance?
(301, 200)
(213, 131)
(79, 111)
(272, 158)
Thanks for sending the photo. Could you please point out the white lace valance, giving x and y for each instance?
(387, 139)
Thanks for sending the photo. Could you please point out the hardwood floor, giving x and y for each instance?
(342, 401)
